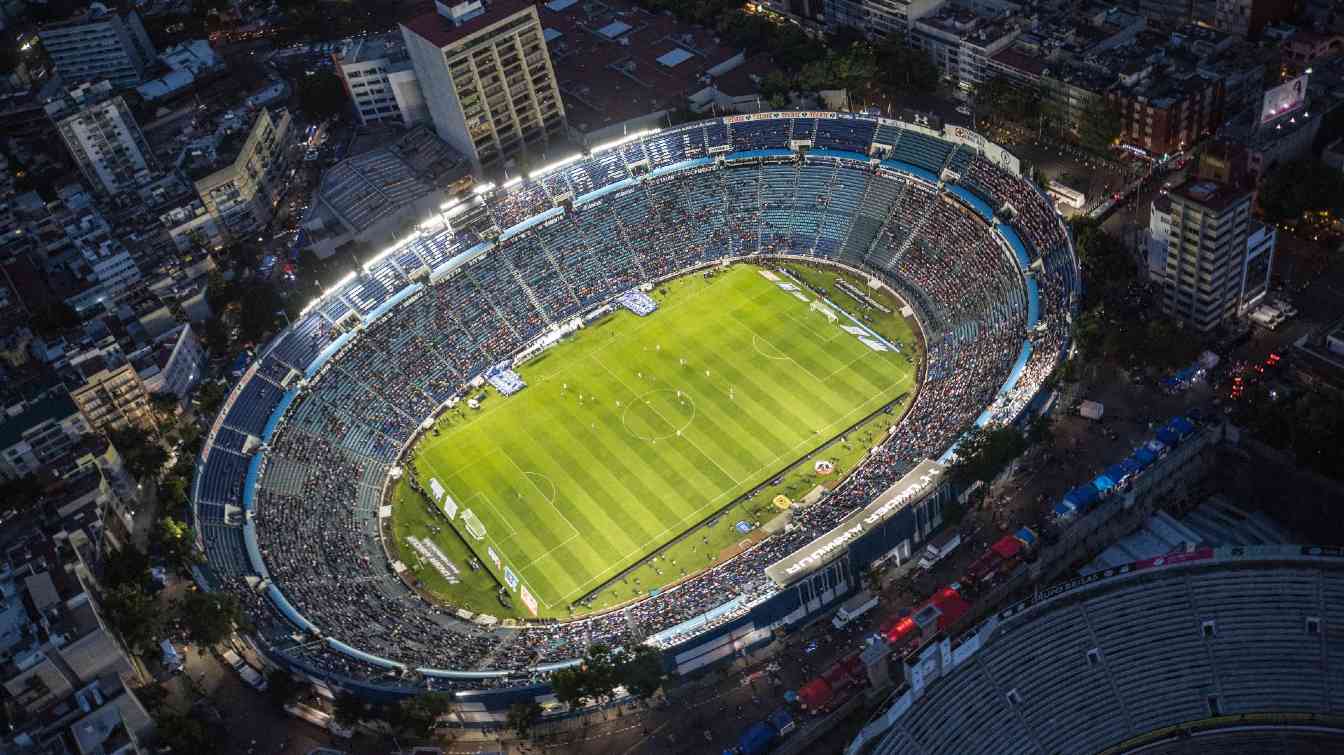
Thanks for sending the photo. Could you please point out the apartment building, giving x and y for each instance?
(39, 424)
(879, 18)
(107, 388)
(98, 44)
(961, 43)
(103, 138)
(381, 82)
(1211, 259)
(1169, 111)
(486, 75)
(239, 170)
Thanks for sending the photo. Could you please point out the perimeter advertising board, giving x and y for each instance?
(911, 488)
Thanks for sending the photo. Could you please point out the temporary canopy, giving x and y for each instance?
(1157, 447)
(1064, 509)
(757, 739)
(1103, 483)
(1117, 473)
(1144, 458)
(781, 720)
(1082, 497)
(815, 694)
(1007, 546)
(1027, 537)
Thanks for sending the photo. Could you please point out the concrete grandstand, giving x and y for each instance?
(290, 494)
(1213, 648)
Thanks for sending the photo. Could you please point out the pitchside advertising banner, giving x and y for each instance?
(511, 578)
(911, 488)
(494, 557)
(528, 600)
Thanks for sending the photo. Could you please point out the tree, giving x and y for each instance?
(640, 671)
(1006, 101)
(421, 712)
(1300, 187)
(984, 453)
(53, 319)
(126, 566)
(135, 615)
(173, 489)
(1100, 124)
(568, 684)
(143, 456)
(189, 734)
(1041, 430)
(522, 717)
(282, 688)
(321, 95)
(257, 319)
(903, 69)
(209, 617)
(21, 494)
(177, 542)
(348, 709)
(210, 396)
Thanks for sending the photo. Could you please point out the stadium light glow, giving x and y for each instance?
(513, 181)
(482, 188)
(618, 142)
(340, 284)
(554, 166)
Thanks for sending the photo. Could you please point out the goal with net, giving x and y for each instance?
(473, 524)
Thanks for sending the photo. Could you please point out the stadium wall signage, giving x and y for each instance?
(914, 486)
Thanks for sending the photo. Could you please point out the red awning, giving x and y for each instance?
(815, 694)
(1007, 546)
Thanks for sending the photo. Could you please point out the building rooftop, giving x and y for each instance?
(652, 64)
(461, 19)
(54, 406)
(1212, 195)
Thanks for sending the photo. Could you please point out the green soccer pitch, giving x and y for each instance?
(636, 430)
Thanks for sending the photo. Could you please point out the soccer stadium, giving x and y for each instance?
(680, 390)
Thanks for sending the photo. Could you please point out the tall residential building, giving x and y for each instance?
(239, 170)
(486, 76)
(98, 44)
(879, 18)
(381, 82)
(103, 137)
(107, 388)
(1211, 259)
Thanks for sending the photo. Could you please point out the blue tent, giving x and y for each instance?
(1157, 447)
(757, 739)
(1116, 473)
(1130, 466)
(1082, 497)
(1027, 537)
(1103, 483)
(1144, 457)
(781, 720)
(1168, 437)
(1064, 510)
(1183, 426)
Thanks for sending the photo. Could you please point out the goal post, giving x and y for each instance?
(473, 524)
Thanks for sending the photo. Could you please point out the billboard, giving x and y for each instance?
(510, 578)
(1283, 99)
(910, 489)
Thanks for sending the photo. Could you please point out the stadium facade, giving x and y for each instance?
(291, 487)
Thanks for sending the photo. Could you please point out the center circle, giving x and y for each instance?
(659, 414)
